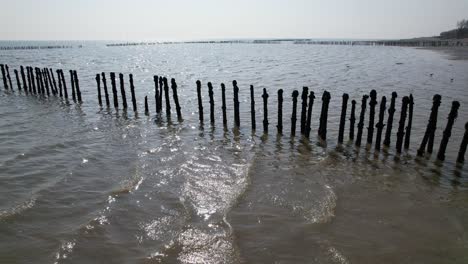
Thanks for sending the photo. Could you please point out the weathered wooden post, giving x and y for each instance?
(33, 81)
(38, 81)
(401, 126)
(176, 101)
(200, 102)
(104, 85)
(280, 112)
(17, 79)
(464, 143)
(146, 106)
(161, 85)
(46, 81)
(236, 104)
(448, 130)
(5, 82)
(295, 94)
(210, 95)
(391, 112)
(53, 81)
(156, 92)
(64, 84)
(305, 93)
(352, 120)
(324, 115)
(132, 91)
(8, 76)
(49, 78)
(23, 77)
(360, 125)
(265, 111)
(223, 107)
(122, 91)
(114, 90)
(252, 108)
(77, 86)
(98, 82)
(344, 107)
(431, 126)
(166, 95)
(59, 80)
(309, 114)
(372, 104)
(380, 125)
(410, 122)
(72, 82)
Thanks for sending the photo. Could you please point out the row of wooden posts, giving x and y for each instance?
(42, 81)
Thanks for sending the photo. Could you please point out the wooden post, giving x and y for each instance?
(5, 83)
(53, 81)
(64, 84)
(265, 111)
(210, 95)
(448, 130)
(309, 114)
(324, 115)
(360, 125)
(464, 143)
(431, 125)
(46, 81)
(132, 91)
(156, 92)
(51, 84)
(372, 104)
(104, 84)
(33, 81)
(344, 107)
(380, 125)
(352, 120)
(236, 104)
(161, 85)
(98, 82)
(122, 91)
(38, 81)
(280, 112)
(72, 81)
(252, 108)
(166, 94)
(8, 76)
(305, 93)
(77, 86)
(410, 122)
(146, 106)
(391, 112)
(200, 102)
(176, 100)
(59, 80)
(223, 107)
(401, 126)
(17, 79)
(295, 94)
(23, 77)
(114, 90)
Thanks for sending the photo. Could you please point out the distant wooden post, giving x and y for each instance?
(166, 95)
(210, 95)
(104, 85)
(391, 112)
(410, 122)
(280, 112)
(77, 86)
(98, 82)
(352, 120)
(72, 82)
(463, 145)
(23, 77)
(5, 82)
(132, 91)
(401, 126)
(122, 91)
(305, 93)
(17, 79)
(59, 80)
(448, 130)
(372, 104)
(322, 132)
(309, 114)
(223, 107)
(176, 100)
(431, 125)
(236, 104)
(360, 125)
(200, 102)
(344, 107)
(380, 125)
(265, 111)
(146, 106)
(252, 108)
(114, 90)
(295, 94)
(8, 76)
(156, 92)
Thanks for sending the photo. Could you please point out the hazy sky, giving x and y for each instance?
(214, 19)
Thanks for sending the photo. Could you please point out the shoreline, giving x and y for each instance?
(453, 52)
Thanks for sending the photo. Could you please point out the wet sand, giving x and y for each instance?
(454, 53)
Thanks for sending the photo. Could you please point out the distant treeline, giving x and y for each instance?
(460, 32)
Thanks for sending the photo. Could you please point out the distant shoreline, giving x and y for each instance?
(455, 53)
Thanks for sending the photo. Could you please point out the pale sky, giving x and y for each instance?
(219, 19)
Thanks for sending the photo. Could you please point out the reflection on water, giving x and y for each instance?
(82, 184)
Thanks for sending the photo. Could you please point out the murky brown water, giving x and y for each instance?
(81, 184)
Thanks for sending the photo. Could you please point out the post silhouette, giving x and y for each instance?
(372, 104)
(98, 82)
(122, 91)
(295, 94)
(176, 100)
(380, 125)
(305, 93)
(309, 114)
(23, 77)
(410, 122)
(46, 81)
(401, 126)
(252, 108)
(360, 125)
(51, 84)
(200, 102)
(132, 91)
(59, 80)
(210, 95)
(33, 81)
(463, 145)
(77, 86)
(236, 104)
(146, 106)
(448, 130)
(156, 92)
(352, 120)
(5, 82)
(166, 95)
(344, 107)
(114, 90)
(265, 111)
(322, 131)
(53, 80)
(223, 107)
(279, 127)
(431, 125)
(17, 79)
(161, 85)
(64, 84)
(391, 112)
(38, 81)
(8, 76)
(104, 85)
(72, 82)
